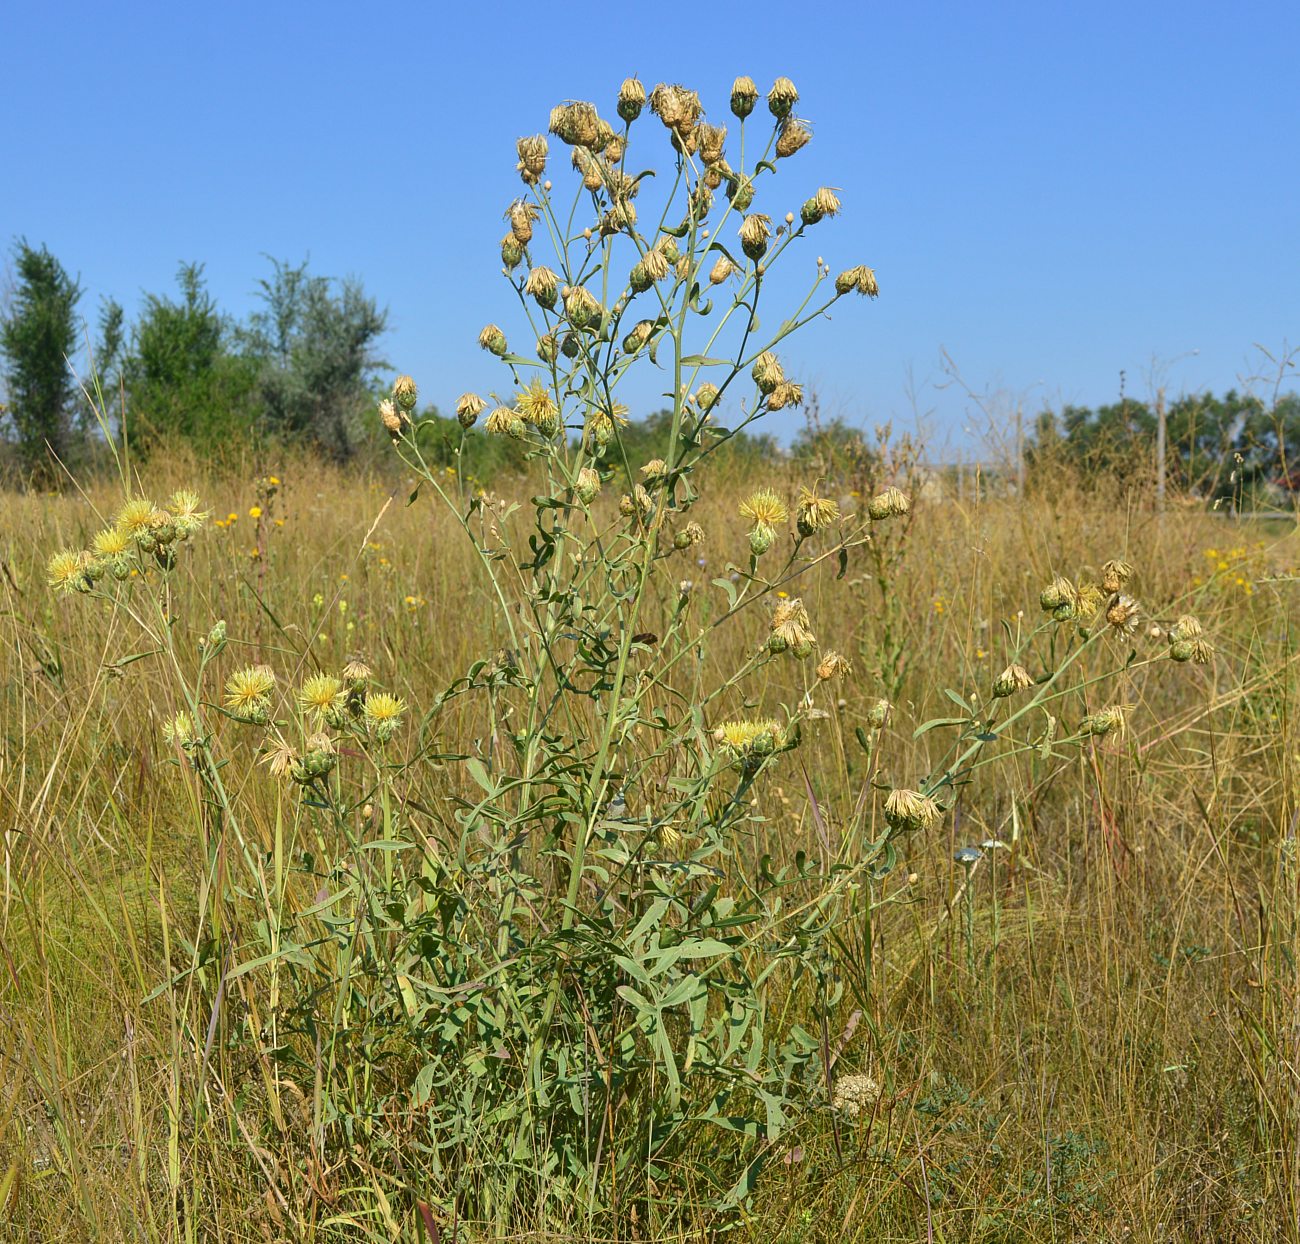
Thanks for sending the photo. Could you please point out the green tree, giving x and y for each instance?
(315, 346)
(38, 340)
(183, 377)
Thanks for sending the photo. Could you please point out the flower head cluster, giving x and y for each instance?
(791, 629)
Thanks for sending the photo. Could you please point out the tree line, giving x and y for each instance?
(302, 366)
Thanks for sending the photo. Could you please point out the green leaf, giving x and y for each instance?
(701, 360)
(935, 722)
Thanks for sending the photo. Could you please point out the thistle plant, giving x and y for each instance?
(549, 985)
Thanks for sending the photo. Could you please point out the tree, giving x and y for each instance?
(38, 340)
(316, 351)
(183, 378)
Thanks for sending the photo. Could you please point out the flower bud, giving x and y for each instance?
(667, 246)
(706, 397)
(587, 485)
(744, 95)
(689, 536)
(782, 98)
(548, 348)
(760, 539)
(1059, 592)
(878, 712)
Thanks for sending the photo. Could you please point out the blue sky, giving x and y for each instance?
(1049, 192)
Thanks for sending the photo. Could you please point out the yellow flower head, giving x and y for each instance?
(111, 543)
(254, 511)
(186, 514)
(764, 507)
(68, 572)
(248, 691)
(536, 406)
(909, 809)
(320, 693)
(383, 713)
(136, 517)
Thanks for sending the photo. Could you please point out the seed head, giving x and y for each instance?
(891, 503)
(405, 394)
(782, 98)
(678, 108)
(722, 269)
(639, 335)
(711, 138)
(833, 665)
(744, 95)
(392, 419)
(794, 136)
(468, 408)
(787, 393)
(1114, 574)
(512, 254)
(532, 158)
(689, 536)
(581, 307)
(1187, 627)
(814, 513)
(1113, 720)
(755, 230)
(706, 397)
(740, 191)
(791, 628)
(878, 712)
(910, 810)
(767, 372)
(521, 214)
(578, 124)
(493, 340)
(631, 99)
(1122, 615)
(1058, 593)
(505, 421)
(823, 204)
(1012, 679)
(861, 280)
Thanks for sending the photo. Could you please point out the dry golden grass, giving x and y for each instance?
(1123, 1061)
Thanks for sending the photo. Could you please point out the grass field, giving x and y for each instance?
(1093, 1032)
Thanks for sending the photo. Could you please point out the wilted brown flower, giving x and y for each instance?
(744, 95)
(532, 158)
(631, 99)
(781, 98)
(794, 136)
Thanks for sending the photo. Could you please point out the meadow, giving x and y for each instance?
(1092, 1033)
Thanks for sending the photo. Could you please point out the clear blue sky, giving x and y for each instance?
(1051, 193)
